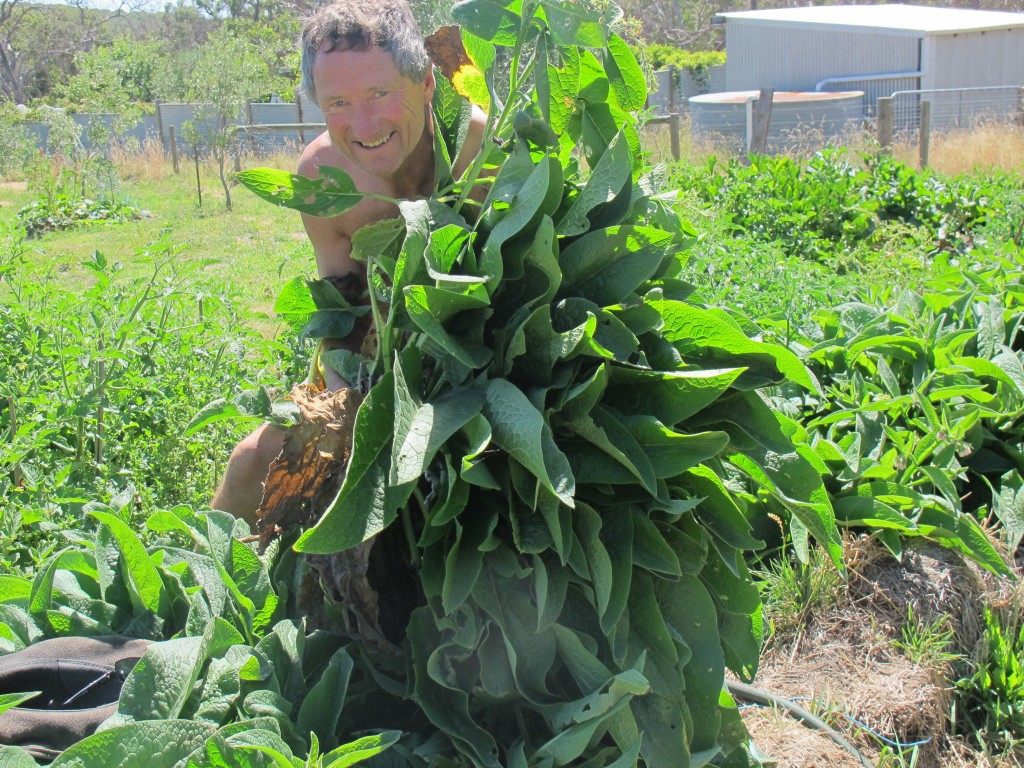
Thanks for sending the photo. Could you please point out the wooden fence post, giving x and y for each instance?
(925, 133)
(159, 122)
(673, 112)
(759, 118)
(174, 148)
(884, 115)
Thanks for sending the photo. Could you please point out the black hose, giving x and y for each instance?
(759, 696)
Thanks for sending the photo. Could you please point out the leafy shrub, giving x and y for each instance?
(818, 209)
(17, 144)
(695, 62)
(63, 212)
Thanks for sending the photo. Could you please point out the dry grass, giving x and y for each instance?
(847, 662)
(985, 148)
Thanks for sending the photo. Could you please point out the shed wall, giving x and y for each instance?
(972, 59)
(796, 59)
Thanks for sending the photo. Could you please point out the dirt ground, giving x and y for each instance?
(844, 667)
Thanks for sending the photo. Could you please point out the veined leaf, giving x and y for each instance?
(430, 307)
(490, 20)
(322, 706)
(331, 194)
(671, 453)
(607, 178)
(670, 397)
(607, 265)
(145, 744)
(693, 328)
(16, 757)
(605, 430)
(145, 584)
(627, 80)
(361, 749)
(574, 24)
(520, 430)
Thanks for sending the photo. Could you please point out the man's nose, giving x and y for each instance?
(366, 123)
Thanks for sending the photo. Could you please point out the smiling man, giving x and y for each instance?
(365, 65)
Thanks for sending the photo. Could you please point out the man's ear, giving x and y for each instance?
(428, 86)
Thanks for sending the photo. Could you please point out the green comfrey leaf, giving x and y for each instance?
(669, 396)
(563, 85)
(294, 304)
(430, 308)
(422, 428)
(445, 705)
(696, 330)
(604, 429)
(605, 336)
(465, 558)
(718, 512)
(361, 749)
(334, 317)
(605, 182)
(145, 744)
(380, 240)
(536, 347)
(321, 708)
(520, 430)
(16, 757)
(671, 453)
(331, 194)
(452, 115)
(628, 84)
(144, 582)
(538, 196)
(491, 20)
(444, 249)
(575, 24)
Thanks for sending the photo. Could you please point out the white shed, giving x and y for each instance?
(943, 55)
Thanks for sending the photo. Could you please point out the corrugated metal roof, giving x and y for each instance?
(914, 20)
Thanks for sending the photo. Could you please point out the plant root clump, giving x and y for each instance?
(304, 479)
(368, 586)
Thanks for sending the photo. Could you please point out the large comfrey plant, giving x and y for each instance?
(571, 447)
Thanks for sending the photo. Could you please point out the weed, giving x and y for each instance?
(792, 590)
(927, 643)
(989, 701)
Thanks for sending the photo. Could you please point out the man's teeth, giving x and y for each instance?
(373, 144)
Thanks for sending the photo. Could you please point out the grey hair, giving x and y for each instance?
(358, 25)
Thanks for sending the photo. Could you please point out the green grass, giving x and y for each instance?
(251, 250)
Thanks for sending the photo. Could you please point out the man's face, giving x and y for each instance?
(375, 116)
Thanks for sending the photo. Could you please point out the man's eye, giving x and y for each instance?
(380, 94)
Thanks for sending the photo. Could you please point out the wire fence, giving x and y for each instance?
(957, 108)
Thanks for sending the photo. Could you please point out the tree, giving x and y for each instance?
(38, 43)
(221, 77)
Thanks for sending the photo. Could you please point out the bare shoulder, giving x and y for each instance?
(320, 151)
